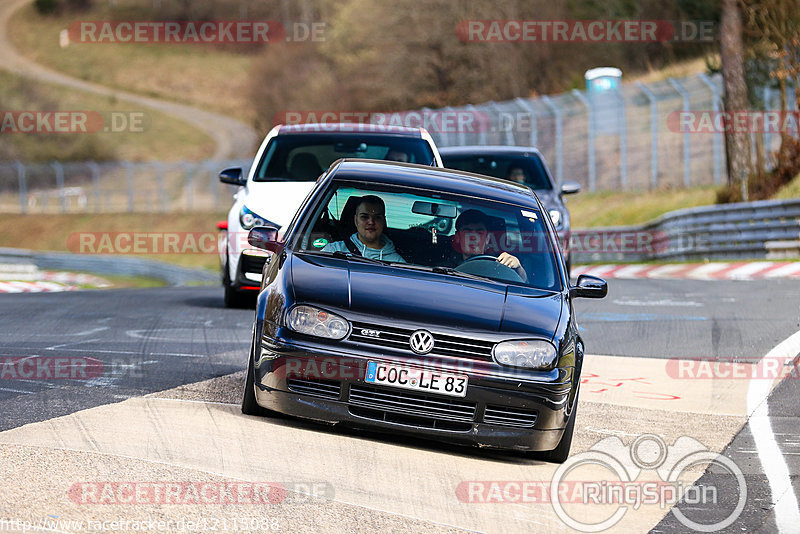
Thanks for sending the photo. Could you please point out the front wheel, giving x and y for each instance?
(249, 404)
(560, 454)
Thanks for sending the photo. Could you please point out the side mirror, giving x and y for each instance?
(265, 237)
(570, 188)
(589, 287)
(233, 176)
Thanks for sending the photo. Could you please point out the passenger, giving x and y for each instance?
(368, 240)
(516, 174)
(472, 229)
(396, 155)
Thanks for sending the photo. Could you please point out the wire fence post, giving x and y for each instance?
(189, 187)
(62, 198)
(527, 106)
(589, 140)
(95, 171)
(716, 107)
(162, 192)
(129, 179)
(23, 187)
(559, 116)
(651, 97)
(507, 127)
(687, 178)
(623, 141)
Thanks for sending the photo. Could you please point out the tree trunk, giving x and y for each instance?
(737, 144)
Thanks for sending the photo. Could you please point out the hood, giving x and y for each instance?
(388, 294)
(276, 201)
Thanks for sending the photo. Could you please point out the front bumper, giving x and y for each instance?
(525, 411)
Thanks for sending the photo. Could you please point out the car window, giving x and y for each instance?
(303, 157)
(441, 240)
(525, 169)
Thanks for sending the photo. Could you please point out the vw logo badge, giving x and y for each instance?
(421, 342)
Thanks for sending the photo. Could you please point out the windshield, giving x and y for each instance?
(304, 157)
(450, 234)
(527, 169)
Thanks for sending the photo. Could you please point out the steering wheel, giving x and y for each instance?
(481, 257)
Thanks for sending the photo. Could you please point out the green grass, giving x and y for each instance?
(61, 232)
(163, 138)
(790, 190)
(613, 208)
(195, 74)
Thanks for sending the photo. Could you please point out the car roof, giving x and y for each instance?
(427, 177)
(349, 128)
(488, 150)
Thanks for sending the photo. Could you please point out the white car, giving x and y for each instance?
(285, 168)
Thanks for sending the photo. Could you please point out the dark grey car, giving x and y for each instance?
(523, 165)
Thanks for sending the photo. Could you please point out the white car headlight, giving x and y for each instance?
(532, 353)
(315, 322)
(248, 219)
(555, 216)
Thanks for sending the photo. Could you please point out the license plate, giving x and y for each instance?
(431, 380)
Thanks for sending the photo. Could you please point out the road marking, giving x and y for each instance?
(87, 332)
(787, 514)
(61, 345)
(17, 391)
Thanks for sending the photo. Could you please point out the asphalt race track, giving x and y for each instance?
(159, 374)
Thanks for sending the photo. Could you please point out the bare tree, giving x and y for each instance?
(737, 143)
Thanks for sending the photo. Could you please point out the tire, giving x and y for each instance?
(233, 297)
(249, 404)
(560, 454)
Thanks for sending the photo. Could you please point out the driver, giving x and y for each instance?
(472, 228)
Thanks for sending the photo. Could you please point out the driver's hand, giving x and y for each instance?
(508, 260)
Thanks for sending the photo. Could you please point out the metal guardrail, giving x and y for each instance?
(767, 229)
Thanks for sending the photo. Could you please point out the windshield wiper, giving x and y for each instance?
(455, 272)
(357, 257)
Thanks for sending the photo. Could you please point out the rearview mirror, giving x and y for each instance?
(265, 237)
(233, 176)
(570, 188)
(589, 287)
(434, 209)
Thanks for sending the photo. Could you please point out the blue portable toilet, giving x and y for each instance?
(603, 85)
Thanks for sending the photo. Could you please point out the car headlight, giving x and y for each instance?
(249, 219)
(555, 216)
(315, 322)
(532, 353)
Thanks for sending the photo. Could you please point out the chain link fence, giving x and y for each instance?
(623, 139)
(114, 187)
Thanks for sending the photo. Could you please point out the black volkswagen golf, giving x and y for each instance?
(408, 298)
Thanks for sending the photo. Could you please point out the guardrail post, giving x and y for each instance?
(527, 106)
(589, 139)
(129, 179)
(651, 97)
(717, 107)
(95, 170)
(687, 179)
(23, 187)
(59, 170)
(559, 116)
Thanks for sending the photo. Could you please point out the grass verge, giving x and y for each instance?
(193, 74)
(159, 136)
(61, 232)
(614, 208)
